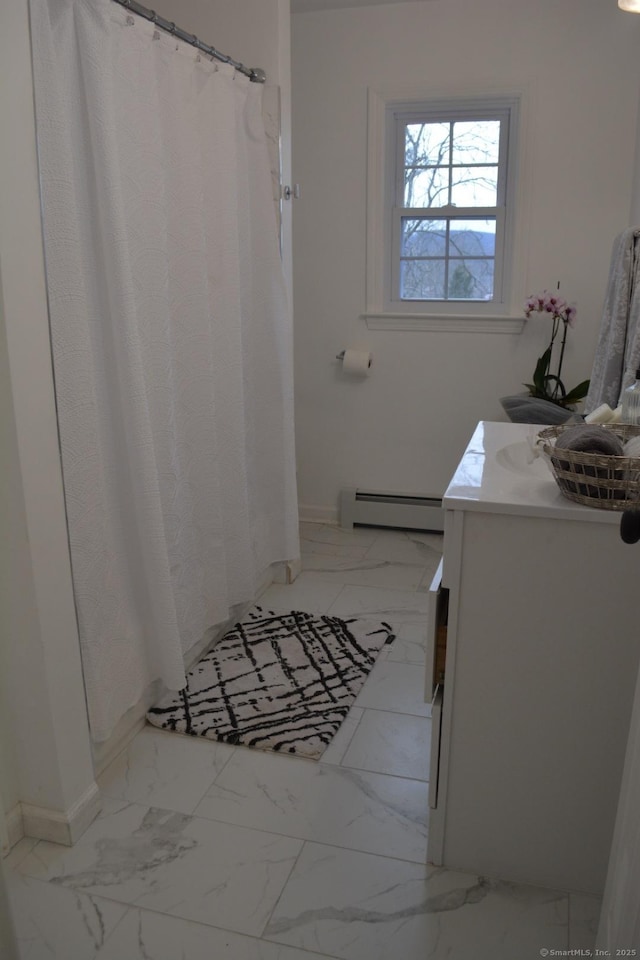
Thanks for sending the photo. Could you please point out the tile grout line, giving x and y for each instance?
(323, 843)
(568, 921)
(116, 927)
(25, 841)
(348, 744)
(282, 889)
(382, 773)
(215, 779)
(347, 766)
(430, 868)
(397, 713)
(134, 907)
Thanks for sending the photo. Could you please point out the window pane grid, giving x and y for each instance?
(419, 259)
(448, 225)
(437, 166)
(450, 258)
(445, 164)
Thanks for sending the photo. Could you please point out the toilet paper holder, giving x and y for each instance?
(355, 361)
(340, 356)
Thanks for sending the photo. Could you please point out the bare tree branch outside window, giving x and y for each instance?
(450, 187)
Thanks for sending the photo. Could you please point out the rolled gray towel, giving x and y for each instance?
(590, 438)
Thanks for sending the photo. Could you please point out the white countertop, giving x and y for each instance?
(498, 474)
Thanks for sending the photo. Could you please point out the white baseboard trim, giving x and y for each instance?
(286, 572)
(62, 826)
(312, 514)
(14, 829)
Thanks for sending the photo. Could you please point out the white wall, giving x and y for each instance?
(247, 30)
(578, 61)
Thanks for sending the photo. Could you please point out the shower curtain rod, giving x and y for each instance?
(255, 74)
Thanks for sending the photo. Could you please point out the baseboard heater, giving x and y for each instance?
(376, 509)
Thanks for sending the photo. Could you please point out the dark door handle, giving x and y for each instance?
(630, 526)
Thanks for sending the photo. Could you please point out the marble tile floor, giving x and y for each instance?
(205, 851)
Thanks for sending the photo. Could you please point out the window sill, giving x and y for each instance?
(443, 324)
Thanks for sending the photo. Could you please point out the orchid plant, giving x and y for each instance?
(547, 385)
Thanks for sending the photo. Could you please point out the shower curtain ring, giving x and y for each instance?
(172, 28)
(153, 17)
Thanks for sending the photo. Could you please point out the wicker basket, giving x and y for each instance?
(609, 483)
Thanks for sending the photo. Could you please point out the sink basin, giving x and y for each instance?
(518, 457)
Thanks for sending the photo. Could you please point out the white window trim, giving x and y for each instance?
(503, 318)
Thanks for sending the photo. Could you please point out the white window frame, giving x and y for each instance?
(383, 311)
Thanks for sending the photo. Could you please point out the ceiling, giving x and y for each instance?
(303, 6)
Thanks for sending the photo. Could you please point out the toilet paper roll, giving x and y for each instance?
(356, 361)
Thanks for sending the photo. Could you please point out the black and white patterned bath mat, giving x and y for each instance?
(276, 681)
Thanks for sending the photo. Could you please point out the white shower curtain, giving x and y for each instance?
(171, 339)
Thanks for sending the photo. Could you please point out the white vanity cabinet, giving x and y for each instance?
(539, 600)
